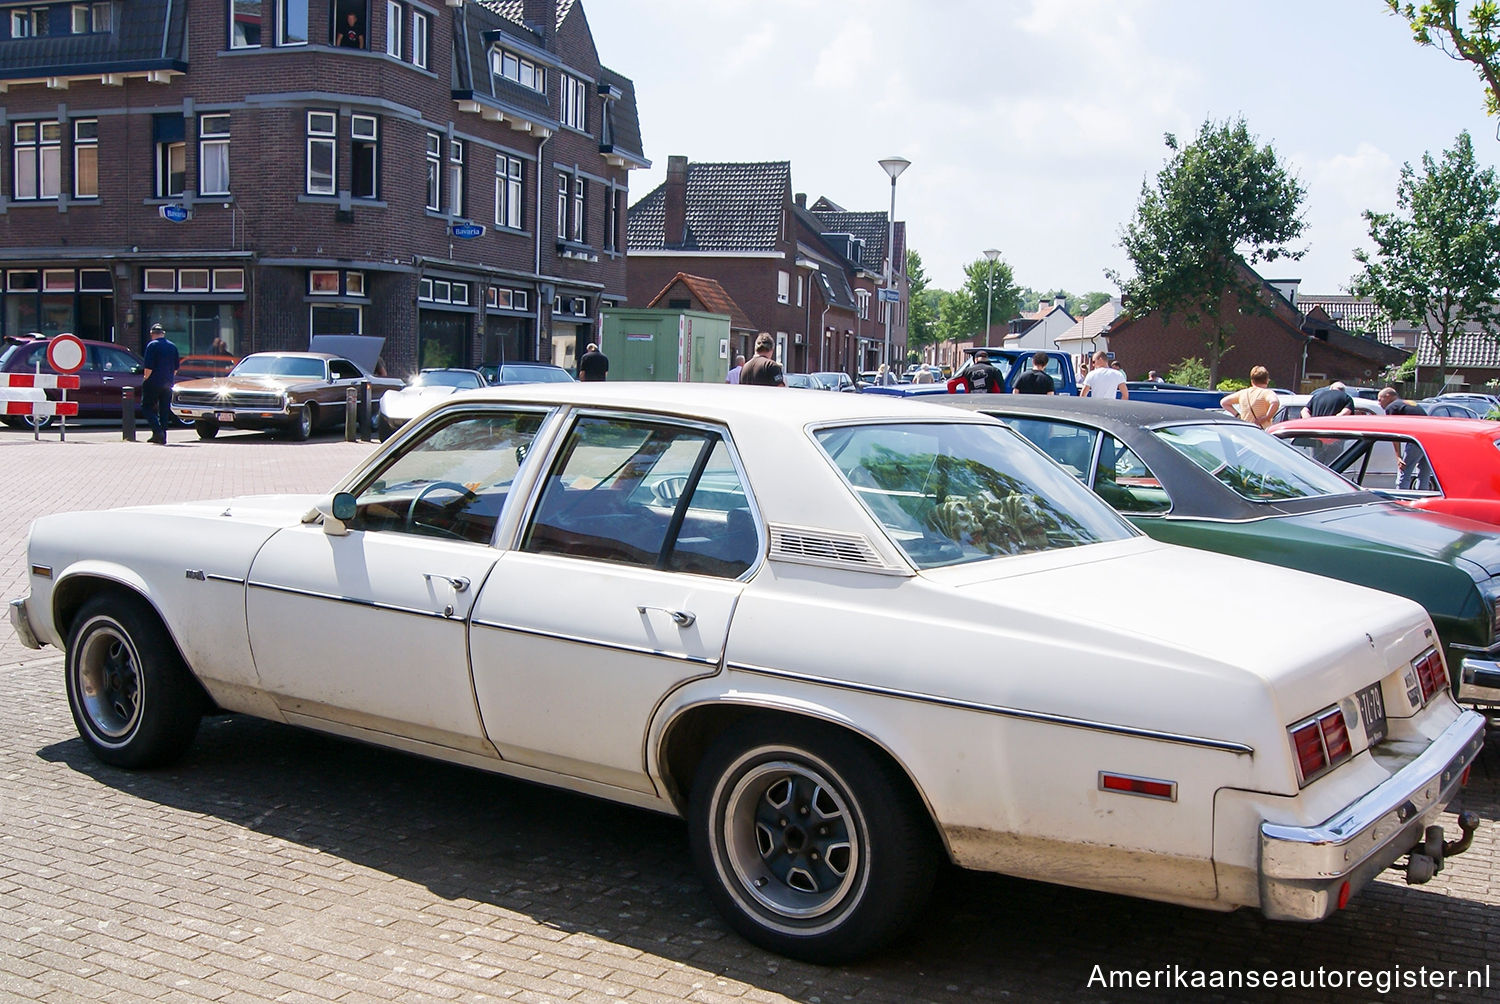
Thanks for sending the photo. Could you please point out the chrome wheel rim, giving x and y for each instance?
(305, 422)
(790, 838)
(108, 679)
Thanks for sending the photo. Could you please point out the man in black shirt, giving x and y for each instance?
(593, 364)
(1329, 401)
(763, 370)
(1412, 464)
(1036, 380)
(984, 378)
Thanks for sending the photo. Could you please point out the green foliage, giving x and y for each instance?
(1406, 372)
(1231, 384)
(1190, 372)
(921, 320)
(1220, 202)
(1078, 306)
(1437, 257)
(1477, 41)
(983, 278)
(957, 316)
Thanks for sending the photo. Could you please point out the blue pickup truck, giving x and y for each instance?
(1173, 393)
(1010, 362)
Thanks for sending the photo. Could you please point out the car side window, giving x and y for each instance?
(1373, 462)
(114, 360)
(1126, 483)
(342, 370)
(453, 481)
(1070, 445)
(649, 494)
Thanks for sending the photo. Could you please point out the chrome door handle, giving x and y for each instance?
(457, 582)
(682, 618)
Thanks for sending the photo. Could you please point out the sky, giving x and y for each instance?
(1032, 124)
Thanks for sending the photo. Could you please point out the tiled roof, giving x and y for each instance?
(1352, 313)
(626, 121)
(515, 10)
(1468, 349)
(868, 227)
(730, 207)
(1094, 324)
(713, 297)
(152, 36)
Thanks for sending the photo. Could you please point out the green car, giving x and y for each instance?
(1210, 481)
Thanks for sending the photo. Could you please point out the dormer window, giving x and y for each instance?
(523, 71)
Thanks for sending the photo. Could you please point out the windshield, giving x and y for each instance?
(265, 365)
(462, 379)
(521, 373)
(952, 493)
(1250, 463)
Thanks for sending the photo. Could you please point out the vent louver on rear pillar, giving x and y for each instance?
(814, 546)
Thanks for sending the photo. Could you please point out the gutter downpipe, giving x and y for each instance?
(540, 173)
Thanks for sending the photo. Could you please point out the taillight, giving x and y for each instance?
(1430, 673)
(1321, 743)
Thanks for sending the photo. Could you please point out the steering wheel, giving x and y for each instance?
(668, 490)
(465, 495)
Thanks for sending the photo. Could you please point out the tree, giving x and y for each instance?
(993, 287)
(1220, 203)
(1437, 257)
(956, 319)
(1478, 42)
(1078, 306)
(921, 319)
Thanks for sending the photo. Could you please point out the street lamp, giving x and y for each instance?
(892, 166)
(989, 292)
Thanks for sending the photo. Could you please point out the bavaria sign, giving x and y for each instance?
(890, 295)
(175, 212)
(468, 231)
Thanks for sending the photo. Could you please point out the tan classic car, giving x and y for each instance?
(291, 391)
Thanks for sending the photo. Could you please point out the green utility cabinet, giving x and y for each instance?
(667, 346)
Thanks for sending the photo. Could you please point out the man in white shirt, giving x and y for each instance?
(734, 374)
(1104, 381)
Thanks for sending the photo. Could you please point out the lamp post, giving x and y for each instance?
(989, 292)
(892, 166)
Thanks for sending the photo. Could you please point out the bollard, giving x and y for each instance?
(349, 416)
(127, 414)
(364, 411)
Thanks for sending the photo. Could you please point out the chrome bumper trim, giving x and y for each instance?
(1302, 868)
(1479, 681)
(22, 624)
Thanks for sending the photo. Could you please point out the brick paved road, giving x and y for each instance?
(275, 864)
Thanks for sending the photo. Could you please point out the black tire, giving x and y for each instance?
(811, 843)
(302, 424)
(133, 699)
(38, 421)
(207, 428)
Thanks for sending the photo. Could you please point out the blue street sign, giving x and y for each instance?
(891, 295)
(468, 231)
(175, 212)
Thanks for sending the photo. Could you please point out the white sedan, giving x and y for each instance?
(719, 602)
(397, 407)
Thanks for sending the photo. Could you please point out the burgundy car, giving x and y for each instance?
(107, 370)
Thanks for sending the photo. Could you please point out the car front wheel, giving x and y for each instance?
(132, 697)
(207, 428)
(812, 844)
(302, 424)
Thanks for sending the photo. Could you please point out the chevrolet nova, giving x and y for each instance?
(648, 593)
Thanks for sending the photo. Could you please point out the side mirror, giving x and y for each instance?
(334, 514)
(344, 506)
(137, 369)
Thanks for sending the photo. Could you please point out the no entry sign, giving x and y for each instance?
(65, 353)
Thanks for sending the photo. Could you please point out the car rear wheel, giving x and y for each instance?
(302, 424)
(38, 421)
(207, 428)
(132, 697)
(811, 843)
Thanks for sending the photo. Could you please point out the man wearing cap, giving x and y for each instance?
(161, 360)
(984, 378)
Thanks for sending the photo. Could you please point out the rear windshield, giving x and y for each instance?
(1252, 464)
(953, 493)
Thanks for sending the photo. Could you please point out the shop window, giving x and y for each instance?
(161, 280)
(229, 280)
(59, 280)
(95, 280)
(22, 282)
(192, 280)
(337, 319)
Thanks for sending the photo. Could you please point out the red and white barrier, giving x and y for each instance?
(34, 403)
(46, 381)
(9, 408)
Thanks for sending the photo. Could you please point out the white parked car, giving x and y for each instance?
(651, 593)
(397, 407)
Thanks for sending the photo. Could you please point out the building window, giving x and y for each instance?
(333, 282)
(337, 319)
(161, 280)
(612, 221)
(394, 16)
(434, 171)
(364, 132)
(86, 159)
(37, 149)
(213, 154)
(229, 280)
(91, 18)
(522, 71)
(291, 22)
(30, 23)
(350, 25)
(562, 206)
(799, 290)
(322, 137)
(578, 203)
(783, 286)
(168, 133)
(192, 280)
(455, 177)
(443, 291)
(244, 23)
(419, 39)
(574, 102)
(508, 190)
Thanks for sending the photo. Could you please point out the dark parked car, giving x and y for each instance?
(1210, 481)
(1441, 407)
(293, 392)
(108, 369)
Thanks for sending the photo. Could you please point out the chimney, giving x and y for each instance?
(1060, 301)
(674, 226)
(540, 16)
(801, 199)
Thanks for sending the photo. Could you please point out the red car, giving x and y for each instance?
(1462, 458)
(107, 369)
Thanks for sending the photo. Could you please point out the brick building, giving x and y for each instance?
(259, 171)
(809, 276)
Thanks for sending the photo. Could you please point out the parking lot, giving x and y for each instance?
(277, 864)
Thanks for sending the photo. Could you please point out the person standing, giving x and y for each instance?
(1257, 403)
(1411, 465)
(160, 369)
(734, 374)
(1328, 402)
(593, 365)
(984, 378)
(352, 35)
(1036, 380)
(1104, 381)
(763, 370)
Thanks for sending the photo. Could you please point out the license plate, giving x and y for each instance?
(226, 416)
(1372, 707)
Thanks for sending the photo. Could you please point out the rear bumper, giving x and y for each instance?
(1303, 868)
(1479, 681)
(22, 624)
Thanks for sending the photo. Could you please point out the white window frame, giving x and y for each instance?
(283, 18)
(102, 17)
(323, 134)
(395, 16)
(364, 134)
(504, 63)
(612, 220)
(43, 151)
(85, 145)
(801, 283)
(435, 172)
(213, 148)
(193, 280)
(59, 280)
(580, 203)
(319, 277)
(359, 314)
(509, 188)
(456, 177)
(574, 102)
(783, 287)
(160, 280)
(234, 41)
(20, 24)
(229, 280)
(563, 189)
(82, 19)
(421, 39)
